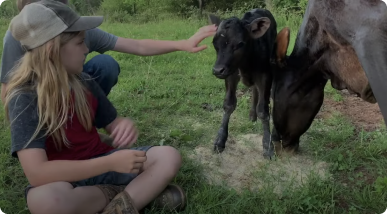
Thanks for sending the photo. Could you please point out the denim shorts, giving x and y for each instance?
(111, 177)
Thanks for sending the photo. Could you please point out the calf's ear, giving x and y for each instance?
(283, 38)
(213, 19)
(258, 27)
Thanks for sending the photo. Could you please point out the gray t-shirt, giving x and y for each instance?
(24, 118)
(96, 40)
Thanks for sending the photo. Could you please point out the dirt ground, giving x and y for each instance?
(362, 114)
(242, 166)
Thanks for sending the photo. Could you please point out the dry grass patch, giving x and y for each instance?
(242, 166)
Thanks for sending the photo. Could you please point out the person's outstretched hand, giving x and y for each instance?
(191, 44)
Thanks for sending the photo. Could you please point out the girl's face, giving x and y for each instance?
(73, 54)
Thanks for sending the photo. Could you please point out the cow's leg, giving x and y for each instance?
(290, 146)
(229, 105)
(254, 103)
(263, 83)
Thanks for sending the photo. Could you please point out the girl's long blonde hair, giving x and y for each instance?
(41, 71)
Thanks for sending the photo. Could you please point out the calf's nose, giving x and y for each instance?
(218, 70)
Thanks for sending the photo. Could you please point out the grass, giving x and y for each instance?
(165, 94)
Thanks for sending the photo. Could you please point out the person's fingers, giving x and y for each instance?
(200, 48)
(140, 159)
(134, 139)
(139, 154)
(130, 138)
(124, 137)
(118, 135)
(203, 36)
(208, 28)
(115, 134)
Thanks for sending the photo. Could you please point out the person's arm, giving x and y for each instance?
(33, 158)
(149, 47)
(101, 41)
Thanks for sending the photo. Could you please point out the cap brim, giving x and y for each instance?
(85, 23)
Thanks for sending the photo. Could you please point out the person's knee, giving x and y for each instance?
(106, 65)
(170, 159)
(104, 69)
(50, 198)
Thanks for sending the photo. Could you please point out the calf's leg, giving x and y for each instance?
(229, 105)
(254, 103)
(263, 83)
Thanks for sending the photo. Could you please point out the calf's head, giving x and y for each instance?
(233, 41)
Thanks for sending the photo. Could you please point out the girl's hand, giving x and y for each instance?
(127, 161)
(124, 133)
(191, 45)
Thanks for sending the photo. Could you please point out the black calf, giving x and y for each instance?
(246, 45)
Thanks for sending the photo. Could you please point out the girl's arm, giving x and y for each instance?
(40, 171)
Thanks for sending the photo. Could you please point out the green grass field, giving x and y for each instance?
(165, 95)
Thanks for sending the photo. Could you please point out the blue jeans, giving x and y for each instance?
(105, 70)
(111, 177)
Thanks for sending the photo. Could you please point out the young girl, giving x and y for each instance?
(55, 110)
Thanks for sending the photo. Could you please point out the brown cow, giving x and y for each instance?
(337, 40)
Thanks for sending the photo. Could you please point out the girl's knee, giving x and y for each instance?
(50, 198)
(168, 157)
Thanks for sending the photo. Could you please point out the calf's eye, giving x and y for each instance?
(239, 45)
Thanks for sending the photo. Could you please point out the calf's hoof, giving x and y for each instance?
(268, 151)
(269, 157)
(269, 154)
(220, 142)
(218, 149)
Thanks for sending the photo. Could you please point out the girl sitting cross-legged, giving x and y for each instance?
(54, 110)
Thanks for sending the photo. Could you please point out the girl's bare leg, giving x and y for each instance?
(62, 198)
(161, 166)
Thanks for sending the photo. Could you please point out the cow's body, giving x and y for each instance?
(336, 40)
(246, 46)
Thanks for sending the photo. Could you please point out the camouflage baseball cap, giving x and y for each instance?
(39, 22)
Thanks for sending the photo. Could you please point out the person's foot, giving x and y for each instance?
(110, 191)
(121, 204)
(173, 198)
